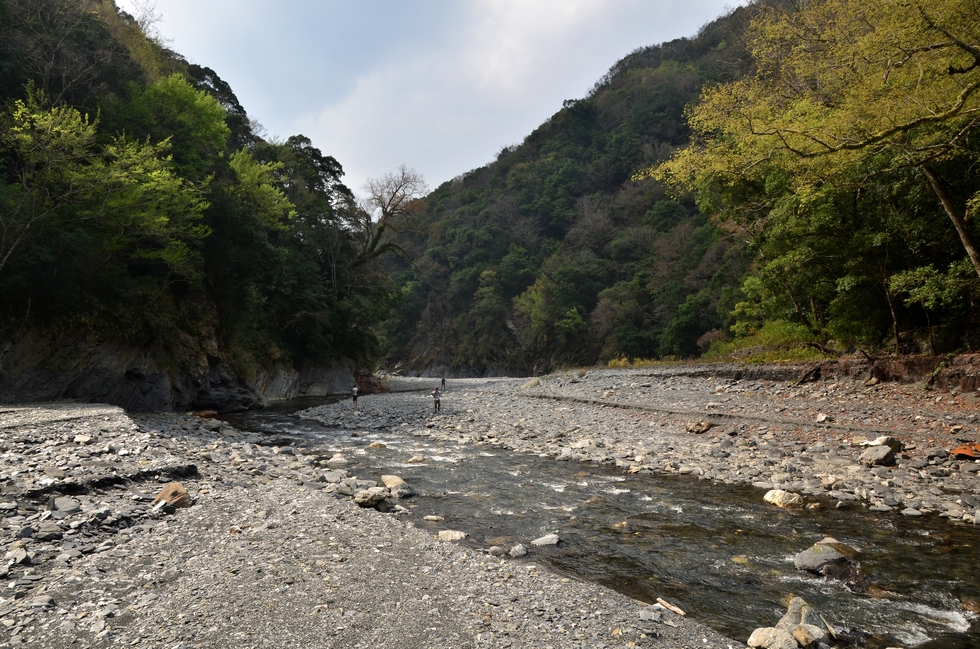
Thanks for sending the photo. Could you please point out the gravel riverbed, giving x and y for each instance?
(273, 551)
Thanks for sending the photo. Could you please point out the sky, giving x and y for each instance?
(437, 85)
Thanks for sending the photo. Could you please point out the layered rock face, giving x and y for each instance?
(143, 376)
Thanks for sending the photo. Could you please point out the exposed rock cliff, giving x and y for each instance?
(191, 375)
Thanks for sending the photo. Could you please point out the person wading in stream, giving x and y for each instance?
(435, 400)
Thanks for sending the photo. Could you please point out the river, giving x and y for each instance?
(716, 551)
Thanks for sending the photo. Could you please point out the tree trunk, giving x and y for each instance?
(956, 216)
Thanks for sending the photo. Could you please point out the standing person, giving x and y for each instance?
(353, 394)
(435, 399)
(443, 381)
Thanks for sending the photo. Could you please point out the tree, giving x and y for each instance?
(845, 90)
(390, 199)
(126, 189)
(44, 151)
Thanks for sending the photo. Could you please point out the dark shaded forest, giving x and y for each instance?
(136, 201)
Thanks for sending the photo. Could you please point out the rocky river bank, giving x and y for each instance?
(899, 449)
(266, 549)
(276, 551)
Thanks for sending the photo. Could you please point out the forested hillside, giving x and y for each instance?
(136, 202)
(629, 226)
(552, 255)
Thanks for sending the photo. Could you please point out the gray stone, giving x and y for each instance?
(816, 557)
(48, 531)
(518, 551)
(547, 539)
(67, 505)
(878, 456)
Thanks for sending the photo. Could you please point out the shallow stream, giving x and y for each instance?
(718, 552)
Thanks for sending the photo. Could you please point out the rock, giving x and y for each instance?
(809, 635)
(48, 531)
(784, 499)
(817, 556)
(533, 383)
(885, 440)
(398, 487)
(391, 480)
(54, 472)
(376, 445)
(338, 461)
(496, 551)
(337, 475)
(547, 539)
(798, 612)
(823, 418)
(452, 535)
(83, 439)
(878, 456)
(699, 427)
(371, 497)
(174, 495)
(772, 638)
(433, 519)
(66, 504)
(415, 459)
(518, 551)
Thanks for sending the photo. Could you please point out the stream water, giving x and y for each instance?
(718, 552)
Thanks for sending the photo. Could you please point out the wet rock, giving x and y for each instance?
(784, 499)
(547, 539)
(809, 635)
(338, 461)
(772, 638)
(371, 497)
(820, 554)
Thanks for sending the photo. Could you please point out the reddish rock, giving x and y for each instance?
(173, 494)
(968, 451)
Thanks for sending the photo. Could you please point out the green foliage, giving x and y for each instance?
(166, 218)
